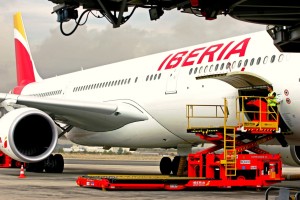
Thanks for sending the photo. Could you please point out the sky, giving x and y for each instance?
(98, 43)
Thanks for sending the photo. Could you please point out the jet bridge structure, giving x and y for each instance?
(240, 164)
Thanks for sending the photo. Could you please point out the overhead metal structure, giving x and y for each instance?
(282, 17)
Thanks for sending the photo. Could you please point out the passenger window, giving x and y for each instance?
(136, 79)
(280, 59)
(129, 80)
(273, 58)
(159, 75)
(191, 70)
(115, 82)
(211, 68)
(146, 79)
(228, 65)
(252, 61)
(123, 80)
(151, 77)
(246, 62)
(196, 69)
(155, 76)
(266, 59)
(200, 70)
(240, 63)
(258, 61)
(217, 66)
(233, 64)
(205, 70)
(222, 66)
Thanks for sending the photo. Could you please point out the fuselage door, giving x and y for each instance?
(171, 87)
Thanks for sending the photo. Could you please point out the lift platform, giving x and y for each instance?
(241, 164)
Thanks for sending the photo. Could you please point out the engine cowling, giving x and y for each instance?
(27, 135)
(290, 155)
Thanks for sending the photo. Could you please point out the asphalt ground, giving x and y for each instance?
(63, 186)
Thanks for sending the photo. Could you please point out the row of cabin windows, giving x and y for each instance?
(45, 94)
(103, 84)
(236, 64)
(153, 77)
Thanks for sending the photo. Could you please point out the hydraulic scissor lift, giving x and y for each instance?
(241, 164)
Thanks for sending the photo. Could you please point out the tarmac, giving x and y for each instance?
(63, 186)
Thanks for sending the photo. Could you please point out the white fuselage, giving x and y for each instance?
(164, 93)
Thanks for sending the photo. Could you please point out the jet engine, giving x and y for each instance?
(290, 155)
(27, 135)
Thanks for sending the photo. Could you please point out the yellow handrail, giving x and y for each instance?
(268, 118)
(219, 112)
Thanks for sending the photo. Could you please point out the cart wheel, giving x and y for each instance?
(165, 166)
(175, 165)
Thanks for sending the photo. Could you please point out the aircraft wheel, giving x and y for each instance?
(59, 163)
(35, 167)
(49, 164)
(165, 166)
(175, 165)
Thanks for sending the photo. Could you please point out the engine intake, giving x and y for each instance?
(27, 135)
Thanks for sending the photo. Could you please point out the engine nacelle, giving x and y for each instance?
(27, 135)
(290, 155)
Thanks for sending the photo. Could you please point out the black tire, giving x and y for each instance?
(165, 166)
(50, 164)
(175, 165)
(59, 163)
(35, 167)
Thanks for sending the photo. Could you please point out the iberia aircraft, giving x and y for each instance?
(142, 102)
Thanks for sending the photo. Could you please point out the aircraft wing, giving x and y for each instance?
(90, 115)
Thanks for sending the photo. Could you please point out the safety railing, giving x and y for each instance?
(263, 117)
(194, 111)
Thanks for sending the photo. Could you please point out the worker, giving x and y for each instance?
(272, 103)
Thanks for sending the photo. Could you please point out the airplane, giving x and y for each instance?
(141, 103)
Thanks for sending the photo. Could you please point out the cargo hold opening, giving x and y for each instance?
(247, 84)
